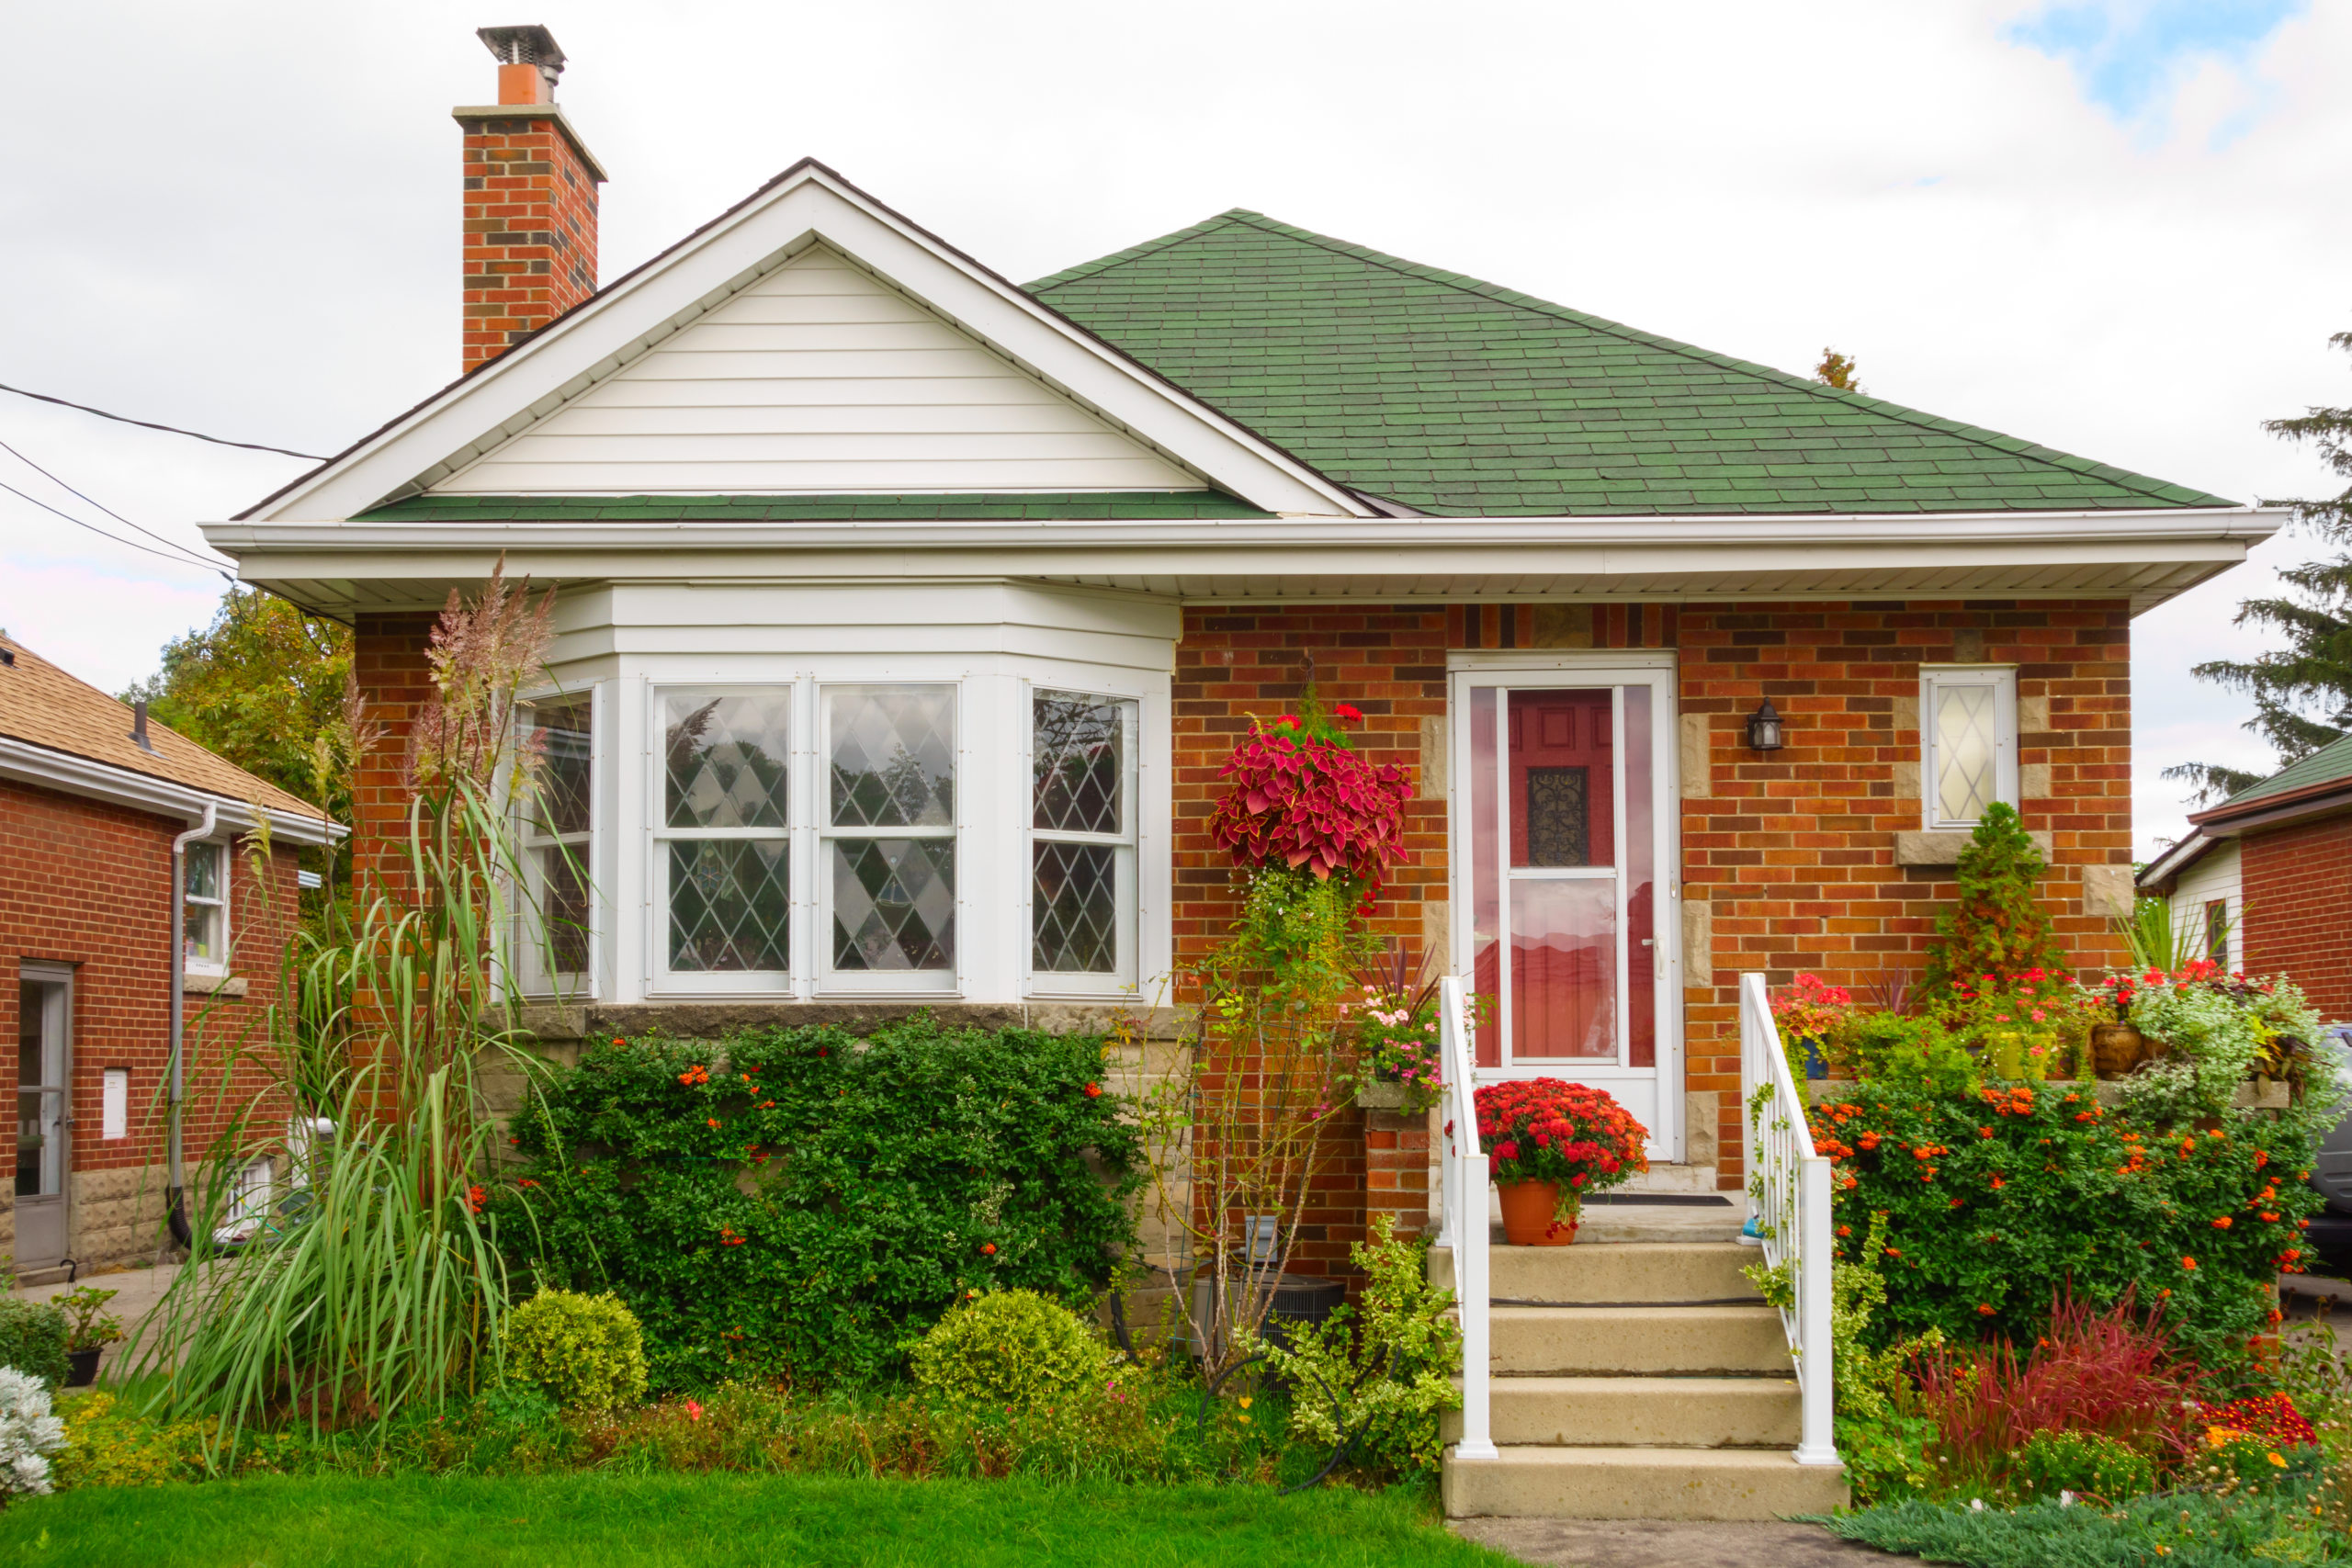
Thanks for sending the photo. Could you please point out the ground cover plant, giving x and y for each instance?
(803, 1202)
(686, 1521)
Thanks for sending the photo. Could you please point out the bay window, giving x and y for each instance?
(887, 825)
(722, 833)
(560, 732)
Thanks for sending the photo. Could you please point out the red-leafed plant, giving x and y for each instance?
(1301, 798)
(1549, 1130)
(2114, 1372)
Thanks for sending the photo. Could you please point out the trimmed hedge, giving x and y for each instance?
(1999, 1198)
(805, 1202)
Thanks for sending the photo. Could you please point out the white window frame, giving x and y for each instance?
(2003, 681)
(833, 982)
(1121, 981)
(530, 968)
(662, 979)
(226, 865)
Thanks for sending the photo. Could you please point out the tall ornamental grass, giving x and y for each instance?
(366, 1278)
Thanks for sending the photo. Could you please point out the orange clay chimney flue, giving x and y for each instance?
(530, 200)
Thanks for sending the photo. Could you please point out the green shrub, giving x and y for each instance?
(110, 1443)
(1997, 1202)
(583, 1352)
(1012, 1350)
(806, 1201)
(2086, 1464)
(1383, 1371)
(32, 1338)
(1913, 1052)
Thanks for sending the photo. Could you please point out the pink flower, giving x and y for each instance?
(694, 1411)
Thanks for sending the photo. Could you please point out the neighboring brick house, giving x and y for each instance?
(2267, 878)
(91, 798)
(825, 499)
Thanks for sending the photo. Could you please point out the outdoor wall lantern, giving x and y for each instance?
(1764, 728)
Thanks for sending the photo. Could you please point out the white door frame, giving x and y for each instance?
(57, 1007)
(1598, 667)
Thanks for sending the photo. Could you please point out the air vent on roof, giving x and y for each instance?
(138, 725)
(7, 659)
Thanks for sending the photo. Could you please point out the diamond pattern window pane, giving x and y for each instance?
(563, 910)
(1080, 746)
(1077, 905)
(730, 905)
(725, 758)
(560, 731)
(894, 904)
(1965, 784)
(893, 757)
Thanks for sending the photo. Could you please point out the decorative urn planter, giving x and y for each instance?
(2117, 1048)
(1531, 1214)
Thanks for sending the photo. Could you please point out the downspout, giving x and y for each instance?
(177, 969)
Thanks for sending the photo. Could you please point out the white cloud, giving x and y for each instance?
(256, 233)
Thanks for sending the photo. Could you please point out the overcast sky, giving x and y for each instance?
(2113, 227)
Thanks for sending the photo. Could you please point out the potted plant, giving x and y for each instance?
(2116, 1045)
(1550, 1143)
(1812, 1015)
(89, 1329)
(1396, 1025)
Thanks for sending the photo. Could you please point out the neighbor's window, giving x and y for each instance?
(889, 832)
(722, 848)
(561, 732)
(2217, 930)
(1082, 840)
(1967, 727)
(206, 923)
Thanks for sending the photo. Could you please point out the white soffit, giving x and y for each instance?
(545, 396)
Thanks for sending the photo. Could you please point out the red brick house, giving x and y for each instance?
(94, 798)
(2267, 878)
(858, 544)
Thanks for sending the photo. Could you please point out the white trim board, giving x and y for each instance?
(806, 206)
(69, 775)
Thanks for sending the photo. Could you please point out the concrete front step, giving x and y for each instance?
(1640, 1484)
(1640, 1412)
(1650, 1272)
(1606, 1342)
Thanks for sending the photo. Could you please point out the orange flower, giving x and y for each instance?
(2188, 1263)
(2223, 1223)
(1094, 1091)
(1984, 1309)
(710, 1120)
(988, 1249)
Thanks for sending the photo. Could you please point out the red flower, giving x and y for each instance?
(1984, 1309)
(527, 1182)
(1094, 1091)
(710, 1120)
(988, 1249)
(824, 1050)
(475, 1197)
(1349, 712)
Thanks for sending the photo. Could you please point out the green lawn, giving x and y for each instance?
(687, 1522)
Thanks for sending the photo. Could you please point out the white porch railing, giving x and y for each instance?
(1463, 1230)
(1788, 1206)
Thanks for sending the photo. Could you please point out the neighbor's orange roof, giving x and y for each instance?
(42, 704)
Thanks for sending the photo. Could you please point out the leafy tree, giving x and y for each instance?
(1836, 371)
(1998, 927)
(2302, 692)
(262, 685)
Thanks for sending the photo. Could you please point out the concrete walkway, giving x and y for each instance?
(137, 1291)
(1662, 1543)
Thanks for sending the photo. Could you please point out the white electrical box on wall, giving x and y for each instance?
(114, 1104)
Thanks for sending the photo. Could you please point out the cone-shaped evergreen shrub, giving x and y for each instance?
(1998, 927)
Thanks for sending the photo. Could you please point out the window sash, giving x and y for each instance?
(1999, 688)
(542, 934)
(833, 838)
(1119, 979)
(204, 917)
(667, 836)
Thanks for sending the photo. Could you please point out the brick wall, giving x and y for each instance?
(87, 884)
(2297, 887)
(388, 659)
(530, 228)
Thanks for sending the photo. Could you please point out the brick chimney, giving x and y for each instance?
(530, 226)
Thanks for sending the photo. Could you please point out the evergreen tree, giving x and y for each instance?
(1998, 927)
(2302, 692)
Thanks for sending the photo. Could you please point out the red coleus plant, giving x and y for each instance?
(1549, 1130)
(1301, 797)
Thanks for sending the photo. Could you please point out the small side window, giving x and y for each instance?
(1968, 742)
(205, 922)
(560, 732)
(2217, 930)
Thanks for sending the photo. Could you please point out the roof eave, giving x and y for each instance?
(28, 763)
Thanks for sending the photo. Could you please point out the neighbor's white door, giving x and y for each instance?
(44, 1101)
(1564, 880)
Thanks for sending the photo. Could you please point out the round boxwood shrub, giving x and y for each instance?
(584, 1352)
(1013, 1350)
(32, 1338)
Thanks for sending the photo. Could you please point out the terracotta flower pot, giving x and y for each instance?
(2117, 1048)
(1530, 1211)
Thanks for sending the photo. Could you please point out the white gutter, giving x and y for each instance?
(62, 771)
(2172, 525)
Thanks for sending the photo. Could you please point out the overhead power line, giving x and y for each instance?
(170, 429)
(208, 564)
(183, 559)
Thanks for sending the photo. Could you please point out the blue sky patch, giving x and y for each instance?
(2128, 53)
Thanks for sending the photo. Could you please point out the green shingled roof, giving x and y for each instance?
(2329, 763)
(1131, 505)
(1455, 396)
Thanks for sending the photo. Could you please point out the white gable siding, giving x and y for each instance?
(2213, 878)
(817, 379)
